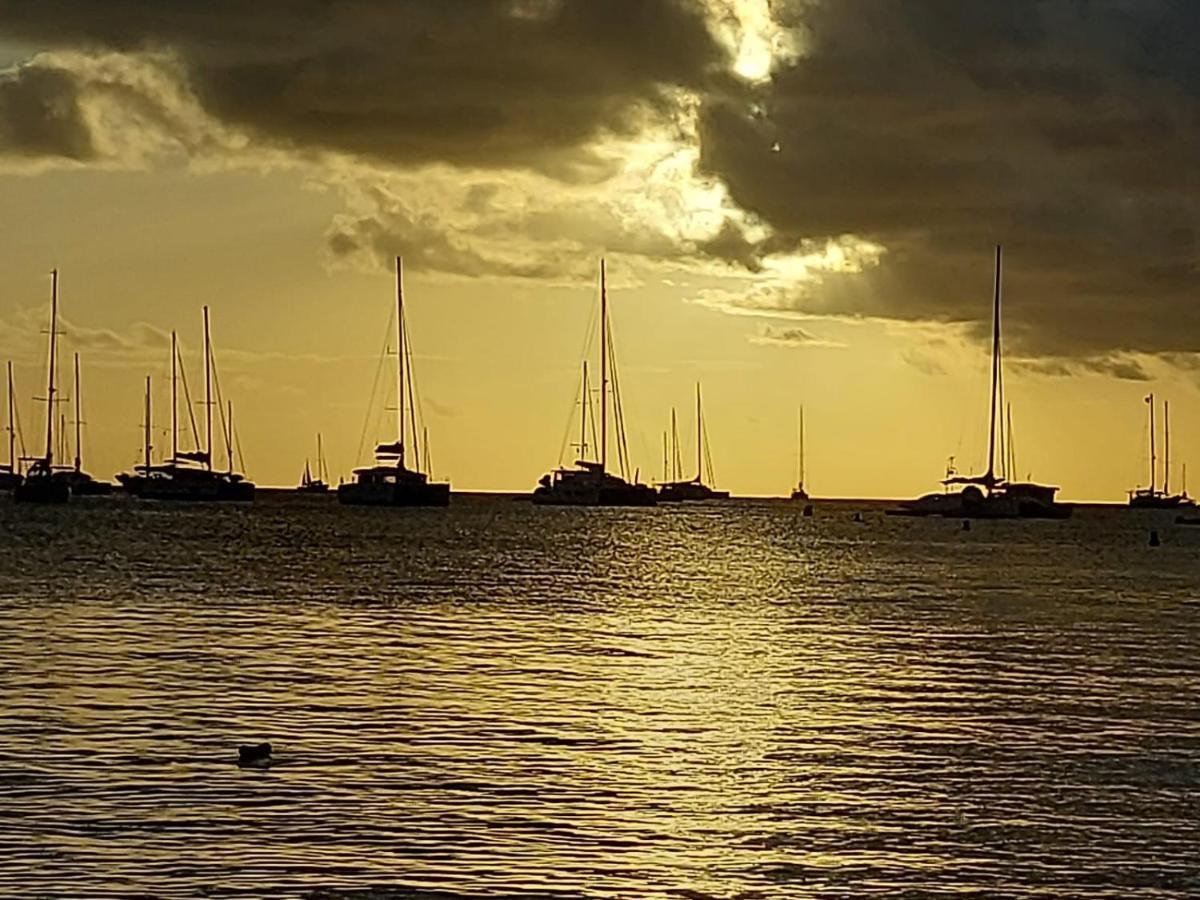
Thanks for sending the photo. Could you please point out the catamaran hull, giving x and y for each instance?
(634, 495)
(167, 490)
(688, 491)
(42, 490)
(974, 505)
(414, 495)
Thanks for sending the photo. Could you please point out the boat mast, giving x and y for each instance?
(174, 400)
(50, 380)
(12, 431)
(1012, 447)
(400, 352)
(78, 419)
(991, 469)
(1153, 458)
(674, 447)
(603, 369)
(583, 414)
(801, 484)
(1166, 446)
(699, 438)
(229, 435)
(146, 433)
(208, 423)
(320, 459)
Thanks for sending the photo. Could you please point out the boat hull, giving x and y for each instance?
(689, 492)
(1013, 502)
(402, 494)
(568, 493)
(1161, 501)
(187, 490)
(45, 490)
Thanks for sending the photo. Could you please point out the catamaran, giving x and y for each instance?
(390, 482)
(678, 489)
(40, 484)
(1152, 497)
(190, 475)
(590, 483)
(319, 484)
(798, 492)
(991, 495)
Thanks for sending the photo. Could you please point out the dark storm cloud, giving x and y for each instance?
(1066, 130)
(504, 83)
(40, 116)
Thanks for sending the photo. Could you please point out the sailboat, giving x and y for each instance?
(79, 482)
(991, 495)
(798, 492)
(390, 482)
(40, 484)
(590, 483)
(679, 490)
(10, 473)
(189, 475)
(319, 484)
(1151, 497)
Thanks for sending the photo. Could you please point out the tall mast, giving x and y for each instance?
(991, 469)
(699, 437)
(801, 445)
(665, 478)
(1153, 457)
(603, 369)
(208, 423)
(674, 447)
(12, 431)
(320, 459)
(146, 433)
(583, 414)
(1166, 446)
(78, 418)
(400, 351)
(1012, 448)
(229, 435)
(174, 400)
(53, 354)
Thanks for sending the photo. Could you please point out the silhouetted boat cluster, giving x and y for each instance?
(400, 475)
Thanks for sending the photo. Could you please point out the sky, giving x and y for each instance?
(798, 202)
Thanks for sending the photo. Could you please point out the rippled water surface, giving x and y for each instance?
(722, 701)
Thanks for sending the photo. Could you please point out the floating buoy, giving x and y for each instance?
(808, 510)
(1154, 541)
(254, 756)
(858, 517)
(966, 524)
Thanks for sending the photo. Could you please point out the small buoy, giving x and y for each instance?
(1154, 541)
(254, 756)
(966, 524)
(808, 510)
(858, 517)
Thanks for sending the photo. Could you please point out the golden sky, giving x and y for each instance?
(798, 205)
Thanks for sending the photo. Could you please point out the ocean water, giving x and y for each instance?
(724, 701)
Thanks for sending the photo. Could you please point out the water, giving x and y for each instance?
(505, 701)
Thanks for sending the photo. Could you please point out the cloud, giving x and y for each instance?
(935, 129)
(523, 84)
(793, 337)
(799, 158)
